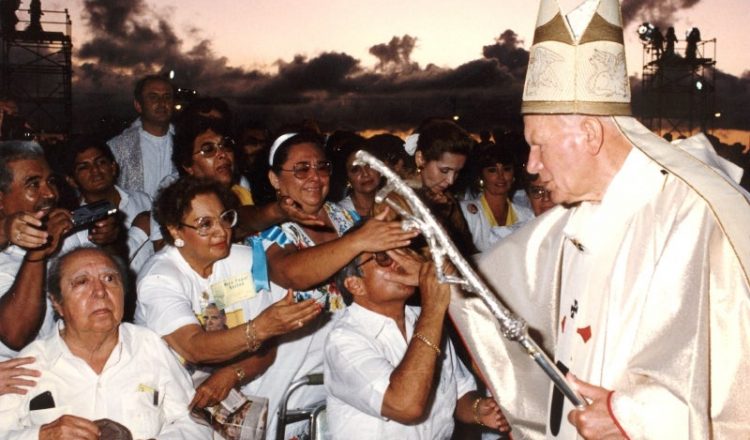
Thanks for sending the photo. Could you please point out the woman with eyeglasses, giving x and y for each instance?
(200, 267)
(304, 258)
(203, 148)
(492, 215)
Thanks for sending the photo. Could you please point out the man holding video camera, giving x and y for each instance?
(32, 228)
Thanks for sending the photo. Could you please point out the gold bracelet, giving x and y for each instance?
(427, 342)
(251, 337)
(240, 373)
(475, 410)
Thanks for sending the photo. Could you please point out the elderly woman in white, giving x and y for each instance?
(97, 368)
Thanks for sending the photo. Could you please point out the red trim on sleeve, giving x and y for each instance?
(612, 414)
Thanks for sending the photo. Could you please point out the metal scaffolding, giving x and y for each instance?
(36, 68)
(678, 88)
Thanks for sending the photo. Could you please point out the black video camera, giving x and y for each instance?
(93, 212)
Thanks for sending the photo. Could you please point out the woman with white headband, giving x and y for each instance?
(304, 258)
(440, 151)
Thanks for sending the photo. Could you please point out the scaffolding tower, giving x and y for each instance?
(678, 89)
(36, 70)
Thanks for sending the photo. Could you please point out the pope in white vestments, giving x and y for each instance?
(639, 286)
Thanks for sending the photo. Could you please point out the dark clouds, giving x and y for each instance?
(395, 57)
(130, 39)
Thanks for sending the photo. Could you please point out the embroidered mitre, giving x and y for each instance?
(577, 61)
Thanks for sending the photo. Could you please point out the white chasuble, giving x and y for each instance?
(651, 286)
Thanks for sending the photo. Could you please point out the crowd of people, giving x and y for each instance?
(241, 260)
(236, 277)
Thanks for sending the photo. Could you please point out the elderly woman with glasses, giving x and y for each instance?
(305, 257)
(492, 215)
(201, 267)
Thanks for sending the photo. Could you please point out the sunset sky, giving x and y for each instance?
(359, 63)
(255, 33)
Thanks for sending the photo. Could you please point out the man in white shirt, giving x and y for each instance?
(91, 169)
(144, 150)
(94, 368)
(32, 230)
(381, 357)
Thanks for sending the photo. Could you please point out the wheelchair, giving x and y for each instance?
(315, 414)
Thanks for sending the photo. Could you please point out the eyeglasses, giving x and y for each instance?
(381, 258)
(204, 225)
(211, 149)
(538, 192)
(303, 170)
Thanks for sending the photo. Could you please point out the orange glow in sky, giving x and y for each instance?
(256, 33)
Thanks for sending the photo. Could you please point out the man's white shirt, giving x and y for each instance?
(361, 352)
(142, 386)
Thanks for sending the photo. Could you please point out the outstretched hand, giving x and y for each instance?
(594, 421)
(284, 316)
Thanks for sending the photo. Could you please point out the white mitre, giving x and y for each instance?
(577, 61)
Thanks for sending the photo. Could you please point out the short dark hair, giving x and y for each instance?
(439, 136)
(487, 155)
(141, 84)
(81, 144)
(11, 151)
(390, 149)
(187, 130)
(173, 201)
(54, 275)
(490, 154)
(340, 156)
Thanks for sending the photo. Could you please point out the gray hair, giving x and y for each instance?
(54, 274)
(352, 269)
(11, 151)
